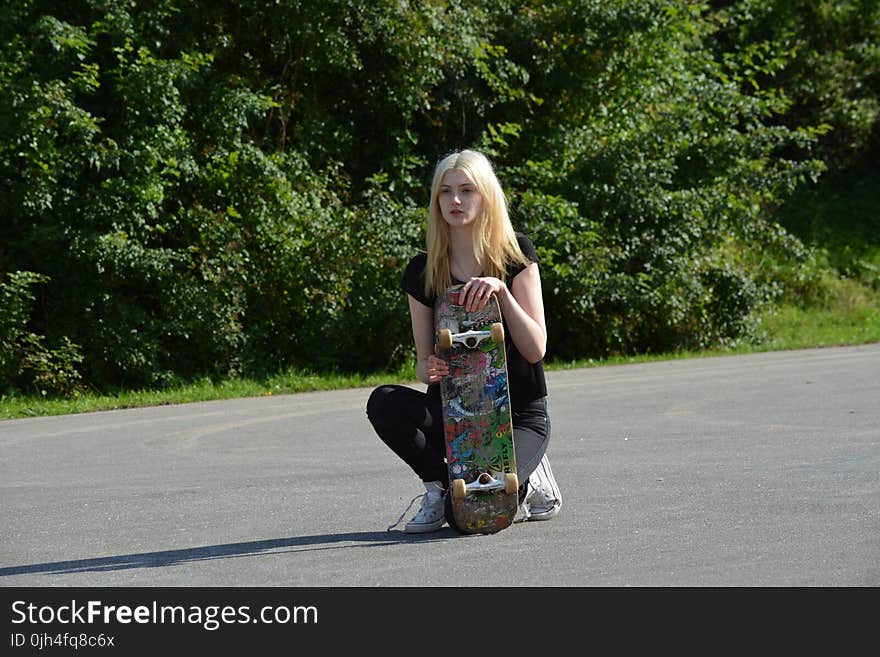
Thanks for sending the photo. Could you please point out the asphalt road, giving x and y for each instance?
(756, 470)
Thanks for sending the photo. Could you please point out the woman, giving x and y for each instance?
(471, 241)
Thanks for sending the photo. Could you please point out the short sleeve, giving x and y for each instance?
(413, 282)
(528, 249)
(526, 246)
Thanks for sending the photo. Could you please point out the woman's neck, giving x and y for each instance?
(463, 264)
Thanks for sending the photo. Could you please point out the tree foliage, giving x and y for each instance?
(820, 57)
(216, 188)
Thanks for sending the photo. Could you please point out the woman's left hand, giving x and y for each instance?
(475, 293)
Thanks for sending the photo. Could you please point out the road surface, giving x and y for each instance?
(752, 470)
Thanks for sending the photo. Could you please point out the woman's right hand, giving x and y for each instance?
(436, 369)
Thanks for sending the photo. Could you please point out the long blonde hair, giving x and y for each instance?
(495, 244)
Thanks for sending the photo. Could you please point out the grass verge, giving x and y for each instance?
(789, 327)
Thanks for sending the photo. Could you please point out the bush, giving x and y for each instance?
(655, 161)
(26, 363)
(228, 188)
(822, 59)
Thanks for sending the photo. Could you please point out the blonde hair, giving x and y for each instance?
(495, 244)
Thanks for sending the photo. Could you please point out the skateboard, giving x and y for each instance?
(476, 415)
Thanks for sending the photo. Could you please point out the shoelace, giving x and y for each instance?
(524, 512)
(405, 511)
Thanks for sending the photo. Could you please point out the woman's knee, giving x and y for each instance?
(378, 403)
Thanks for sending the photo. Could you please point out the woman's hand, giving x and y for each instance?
(436, 368)
(475, 294)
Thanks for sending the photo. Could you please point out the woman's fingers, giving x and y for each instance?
(476, 292)
(437, 368)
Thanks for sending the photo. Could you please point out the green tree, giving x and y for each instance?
(647, 173)
(226, 187)
(822, 57)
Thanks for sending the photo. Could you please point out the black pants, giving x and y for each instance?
(411, 424)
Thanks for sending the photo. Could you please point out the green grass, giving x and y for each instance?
(789, 327)
(206, 390)
(785, 328)
(792, 327)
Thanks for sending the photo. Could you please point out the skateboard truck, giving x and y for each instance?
(470, 339)
(483, 483)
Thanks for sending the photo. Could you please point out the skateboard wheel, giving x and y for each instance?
(444, 338)
(459, 489)
(497, 332)
(511, 483)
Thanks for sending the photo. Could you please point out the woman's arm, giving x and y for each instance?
(522, 306)
(429, 368)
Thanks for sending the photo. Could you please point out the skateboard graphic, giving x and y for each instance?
(477, 425)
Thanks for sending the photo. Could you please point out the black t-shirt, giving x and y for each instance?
(526, 380)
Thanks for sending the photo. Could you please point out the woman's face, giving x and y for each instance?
(460, 202)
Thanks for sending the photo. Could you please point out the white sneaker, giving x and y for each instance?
(543, 498)
(430, 517)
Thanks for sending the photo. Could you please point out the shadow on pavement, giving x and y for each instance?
(229, 550)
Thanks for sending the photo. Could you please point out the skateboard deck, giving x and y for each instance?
(477, 425)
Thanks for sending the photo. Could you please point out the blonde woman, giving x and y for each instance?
(471, 241)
